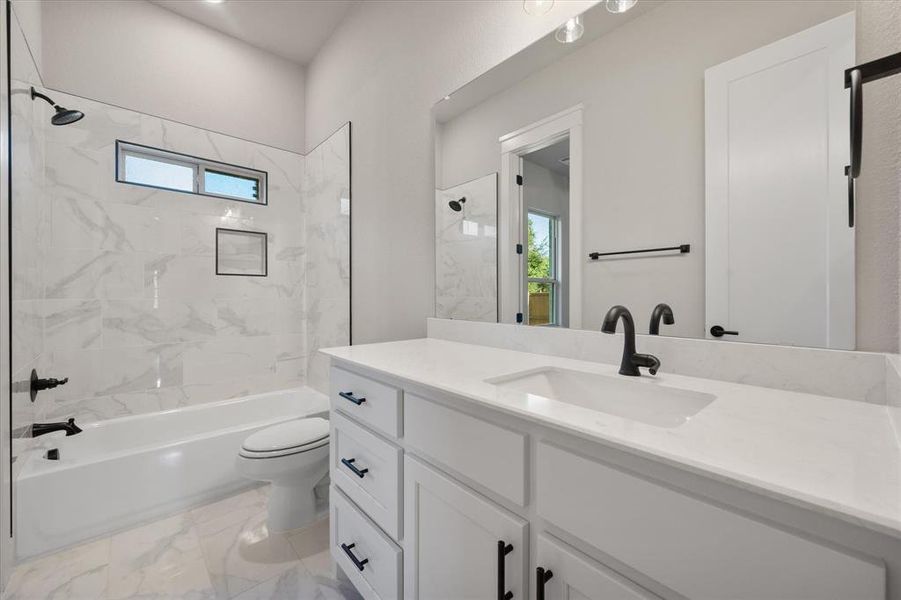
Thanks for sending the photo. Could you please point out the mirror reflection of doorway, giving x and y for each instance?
(545, 207)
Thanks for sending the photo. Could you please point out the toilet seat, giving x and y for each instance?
(285, 439)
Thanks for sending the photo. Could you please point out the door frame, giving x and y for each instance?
(837, 35)
(547, 131)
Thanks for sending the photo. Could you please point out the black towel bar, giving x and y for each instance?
(683, 249)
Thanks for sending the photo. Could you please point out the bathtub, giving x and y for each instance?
(124, 471)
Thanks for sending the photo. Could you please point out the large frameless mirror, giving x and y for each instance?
(690, 154)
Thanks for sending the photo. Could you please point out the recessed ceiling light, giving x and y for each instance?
(570, 31)
(537, 7)
(214, 1)
(620, 6)
(447, 97)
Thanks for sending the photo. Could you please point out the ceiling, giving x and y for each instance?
(550, 157)
(292, 29)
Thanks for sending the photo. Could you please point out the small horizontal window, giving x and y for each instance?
(143, 165)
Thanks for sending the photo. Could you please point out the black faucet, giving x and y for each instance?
(68, 426)
(661, 310)
(631, 359)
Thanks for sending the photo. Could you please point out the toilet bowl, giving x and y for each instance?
(293, 456)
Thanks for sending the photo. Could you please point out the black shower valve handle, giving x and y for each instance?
(50, 383)
(36, 384)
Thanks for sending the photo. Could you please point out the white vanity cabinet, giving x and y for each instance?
(460, 501)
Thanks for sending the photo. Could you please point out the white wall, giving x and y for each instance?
(383, 69)
(879, 185)
(142, 57)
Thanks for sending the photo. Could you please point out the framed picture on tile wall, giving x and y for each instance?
(240, 252)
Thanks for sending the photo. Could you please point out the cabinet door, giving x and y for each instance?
(451, 541)
(570, 575)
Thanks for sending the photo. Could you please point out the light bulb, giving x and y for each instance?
(570, 31)
(537, 7)
(620, 6)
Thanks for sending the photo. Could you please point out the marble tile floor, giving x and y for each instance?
(216, 551)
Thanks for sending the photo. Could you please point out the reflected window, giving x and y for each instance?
(542, 268)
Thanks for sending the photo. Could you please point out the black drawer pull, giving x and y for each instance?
(349, 463)
(503, 549)
(356, 561)
(542, 578)
(352, 398)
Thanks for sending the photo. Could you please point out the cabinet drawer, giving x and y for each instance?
(371, 402)
(697, 549)
(366, 555)
(367, 469)
(490, 455)
(574, 575)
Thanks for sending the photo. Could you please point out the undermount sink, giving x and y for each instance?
(644, 400)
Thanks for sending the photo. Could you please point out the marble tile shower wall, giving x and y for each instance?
(326, 189)
(29, 235)
(466, 251)
(132, 310)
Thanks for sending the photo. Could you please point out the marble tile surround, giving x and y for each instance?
(117, 285)
(861, 376)
(219, 550)
(466, 251)
(326, 187)
(30, 209)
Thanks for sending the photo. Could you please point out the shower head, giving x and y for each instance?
(457, 205)
(63, 116)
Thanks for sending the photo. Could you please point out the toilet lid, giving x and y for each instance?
(285, 436)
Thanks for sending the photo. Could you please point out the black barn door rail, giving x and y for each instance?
(855, 77)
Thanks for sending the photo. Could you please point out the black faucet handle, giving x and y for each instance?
(649, 361)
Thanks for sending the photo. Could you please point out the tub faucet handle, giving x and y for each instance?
(37, 384)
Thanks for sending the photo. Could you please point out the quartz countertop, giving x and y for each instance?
(838, 457)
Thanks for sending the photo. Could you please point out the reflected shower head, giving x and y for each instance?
(63, 116)
(457, 205)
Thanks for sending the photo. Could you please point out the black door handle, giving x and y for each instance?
(349, 463)
(352, 398)
(718, 331)
(503, 549)
(542, 577)
(359, 564)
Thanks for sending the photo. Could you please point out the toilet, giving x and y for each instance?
(293, 456)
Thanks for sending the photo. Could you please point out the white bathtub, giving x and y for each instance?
(120, 472)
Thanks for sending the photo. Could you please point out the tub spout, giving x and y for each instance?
(68, 426)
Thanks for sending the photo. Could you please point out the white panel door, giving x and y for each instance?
(451, 537)
(780, 252)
